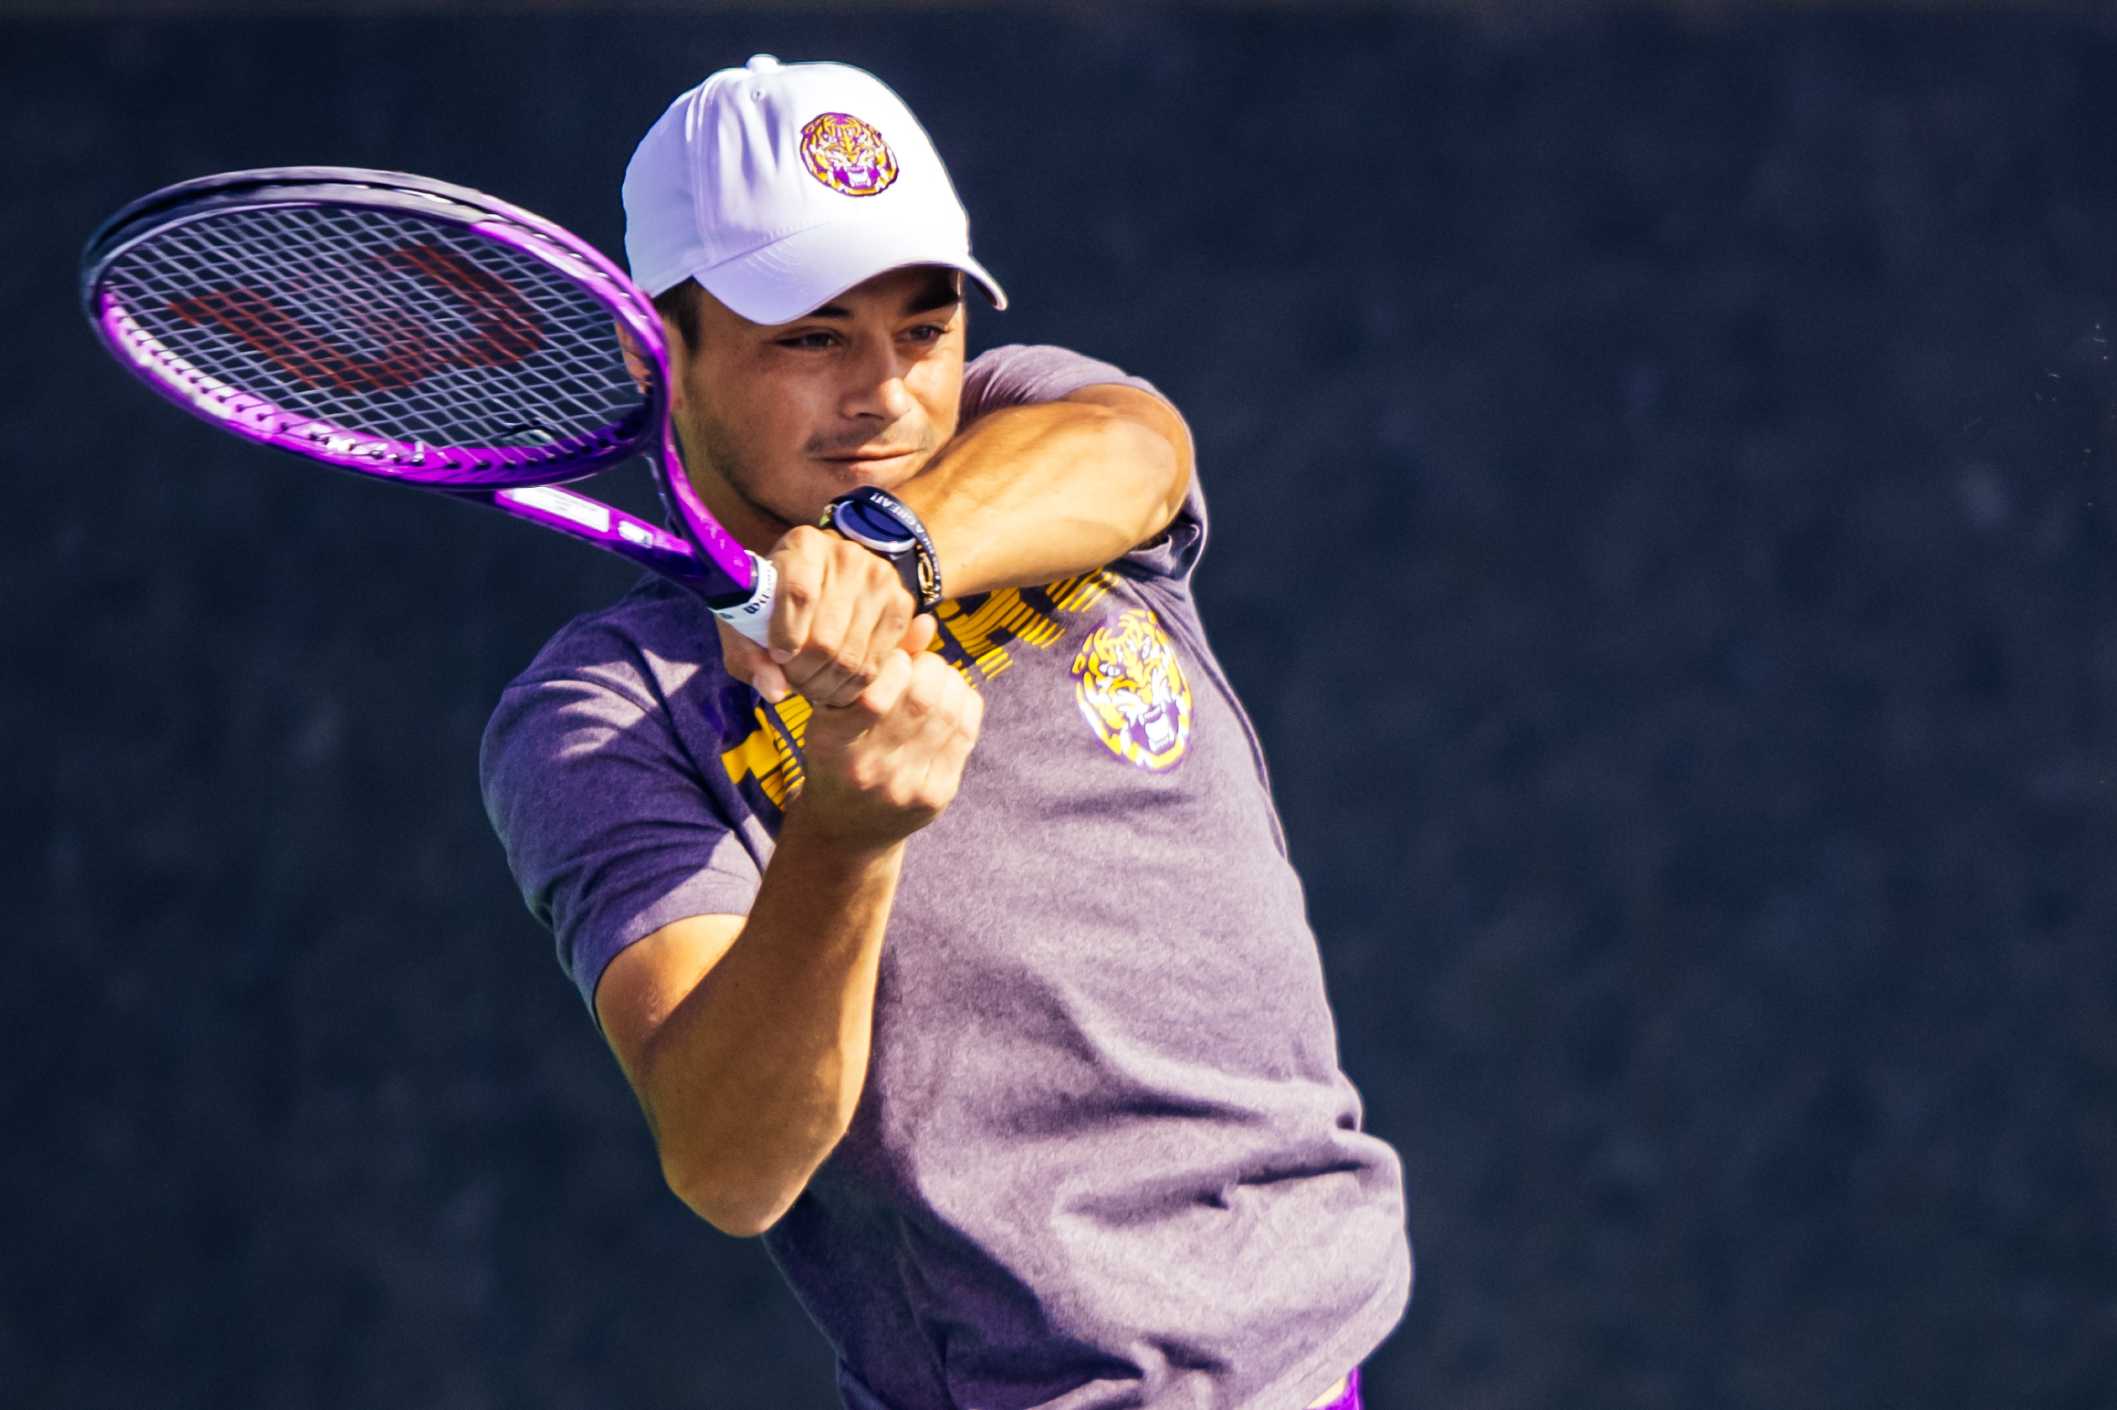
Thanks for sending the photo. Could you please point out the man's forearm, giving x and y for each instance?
(1035, 493)
(753, 1079)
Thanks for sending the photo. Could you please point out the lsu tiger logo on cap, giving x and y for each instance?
(847, 155)
(1132, 690)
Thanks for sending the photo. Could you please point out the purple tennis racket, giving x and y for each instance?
(415, 332)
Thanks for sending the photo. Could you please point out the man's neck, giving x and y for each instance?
(749, 523)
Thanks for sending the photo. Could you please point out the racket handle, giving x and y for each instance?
(752, 615)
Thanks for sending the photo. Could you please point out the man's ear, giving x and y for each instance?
(636, 360)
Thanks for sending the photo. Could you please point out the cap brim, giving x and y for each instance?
(791, 277)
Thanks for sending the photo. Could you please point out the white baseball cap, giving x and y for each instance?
(779, 187)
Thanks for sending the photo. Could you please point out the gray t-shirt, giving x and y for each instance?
(1104, 1156)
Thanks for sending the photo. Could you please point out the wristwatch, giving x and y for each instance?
(881, 523)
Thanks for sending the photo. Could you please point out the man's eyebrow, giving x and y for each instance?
(939, 297)
(932, 298)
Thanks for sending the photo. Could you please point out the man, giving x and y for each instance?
(949, 943)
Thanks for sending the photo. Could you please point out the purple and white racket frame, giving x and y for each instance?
(522, 480)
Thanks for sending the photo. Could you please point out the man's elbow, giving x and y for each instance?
(735, 1211)
(743, 1181)
(1162, 458)
(1153, 444)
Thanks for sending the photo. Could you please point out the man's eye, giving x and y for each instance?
(807, 340)
(925, 332)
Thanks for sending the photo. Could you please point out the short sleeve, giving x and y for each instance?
(607, 827)
(1022, 374)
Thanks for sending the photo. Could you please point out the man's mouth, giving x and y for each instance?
(865, 457)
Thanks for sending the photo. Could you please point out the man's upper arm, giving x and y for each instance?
(1024, 375)
(646, 981)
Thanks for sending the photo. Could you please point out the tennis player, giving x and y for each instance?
(950, 943)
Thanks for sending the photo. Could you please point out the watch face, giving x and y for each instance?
(873, 527)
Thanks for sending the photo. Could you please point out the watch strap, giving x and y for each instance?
(916, 562)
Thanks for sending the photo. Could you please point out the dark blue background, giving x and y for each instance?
(1663, 533)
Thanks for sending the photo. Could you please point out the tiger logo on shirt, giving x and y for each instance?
(1132, 691)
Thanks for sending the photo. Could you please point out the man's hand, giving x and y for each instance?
(840, 612)
(881, 768)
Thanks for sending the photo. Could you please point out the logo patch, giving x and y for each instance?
(1132, 690)
(847, 155)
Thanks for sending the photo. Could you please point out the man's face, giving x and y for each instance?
(778, 419)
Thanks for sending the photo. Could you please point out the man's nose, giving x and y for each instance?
(877, 387)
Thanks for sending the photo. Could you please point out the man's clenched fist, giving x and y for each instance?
(884, 765)
(839, 612)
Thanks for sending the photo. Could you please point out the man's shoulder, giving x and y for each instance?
(1003, 353)
(1018, 373)
(1041, 358)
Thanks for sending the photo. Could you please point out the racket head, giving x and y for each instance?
(381, 323)
(398, 327)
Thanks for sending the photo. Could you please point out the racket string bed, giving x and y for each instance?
(434, 337)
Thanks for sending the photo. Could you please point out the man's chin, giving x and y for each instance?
(883, 472)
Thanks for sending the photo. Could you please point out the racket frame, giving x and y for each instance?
(519, 480)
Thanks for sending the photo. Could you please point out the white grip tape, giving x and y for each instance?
(753, 616)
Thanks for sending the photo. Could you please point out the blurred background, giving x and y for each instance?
(1692, 712)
